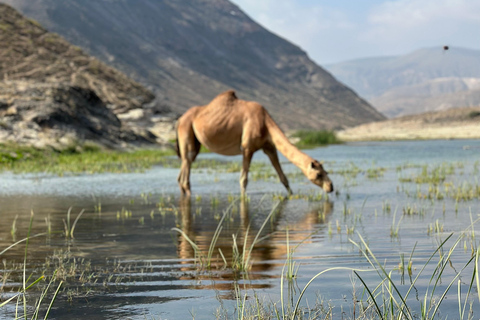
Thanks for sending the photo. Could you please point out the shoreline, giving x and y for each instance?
(458, 123)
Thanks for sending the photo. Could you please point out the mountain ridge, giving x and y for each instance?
(189, 52)
(415, 82)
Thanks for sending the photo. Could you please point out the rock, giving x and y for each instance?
(60, 116)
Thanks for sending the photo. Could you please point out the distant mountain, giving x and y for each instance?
(53, 94)
(425, 80)
(189, 51)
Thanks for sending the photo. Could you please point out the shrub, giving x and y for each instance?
(310, 138)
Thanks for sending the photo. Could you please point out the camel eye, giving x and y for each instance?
(319, 175)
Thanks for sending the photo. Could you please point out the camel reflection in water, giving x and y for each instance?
(266, 255)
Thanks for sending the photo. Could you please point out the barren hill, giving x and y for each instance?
(52, 93)
(189, 51)
(430, 79)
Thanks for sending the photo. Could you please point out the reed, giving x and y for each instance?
(394, 229)
(27, 286)
(70, 228)
(13, 230)
(387, 298)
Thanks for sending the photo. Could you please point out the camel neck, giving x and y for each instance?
(292, 153)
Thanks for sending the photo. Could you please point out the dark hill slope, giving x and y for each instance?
(188, 51)
(52, 93)
(29, 52)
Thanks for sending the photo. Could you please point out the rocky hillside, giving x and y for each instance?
(59, 115)
(456, 123)
(425, 80)
(189, 51)
(52, 89)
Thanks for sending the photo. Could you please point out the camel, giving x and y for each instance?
(230, 126)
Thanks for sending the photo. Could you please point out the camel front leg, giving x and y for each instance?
(271, 152)
(247, 158)
(184, 177)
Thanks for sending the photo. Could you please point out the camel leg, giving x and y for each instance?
(184, 177)
(247, 158)
(188, 156)
(188, 147)
(271, 152)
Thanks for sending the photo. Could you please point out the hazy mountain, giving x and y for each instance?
(54, 94)
(425, 80)
(189, 51)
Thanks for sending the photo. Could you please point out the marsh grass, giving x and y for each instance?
(386, 300)
(13, 230)
(387, 297)
(394, 229)
(70, 228)
(241, 257)
(390, 302)
(431, 174)
(21, 307)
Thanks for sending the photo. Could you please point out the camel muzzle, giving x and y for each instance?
(328, 187)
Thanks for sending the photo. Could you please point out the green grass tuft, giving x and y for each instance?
(310, 138)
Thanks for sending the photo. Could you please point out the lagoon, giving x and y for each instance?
(402, 198)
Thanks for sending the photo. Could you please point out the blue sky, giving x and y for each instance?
(338, 30)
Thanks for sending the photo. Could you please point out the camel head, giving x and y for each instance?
(319, 176)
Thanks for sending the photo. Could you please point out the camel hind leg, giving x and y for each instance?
(247, 158)
(188, 148)
(271, 152)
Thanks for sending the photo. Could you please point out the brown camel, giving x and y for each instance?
(230, 126)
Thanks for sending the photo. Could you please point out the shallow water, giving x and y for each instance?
(125, 261)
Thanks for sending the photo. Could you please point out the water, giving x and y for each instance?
(124, 260)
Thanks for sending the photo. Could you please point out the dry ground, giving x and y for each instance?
(458, 123)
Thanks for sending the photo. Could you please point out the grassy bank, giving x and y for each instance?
(93, 159)
(89, 159)
(310, 138)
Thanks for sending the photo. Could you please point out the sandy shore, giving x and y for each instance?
(461, 123)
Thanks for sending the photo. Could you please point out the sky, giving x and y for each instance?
(333, 31)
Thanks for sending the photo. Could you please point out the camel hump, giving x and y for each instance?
(225, 98)
(230, 94)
